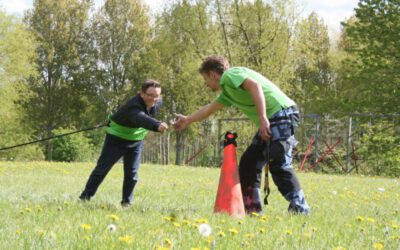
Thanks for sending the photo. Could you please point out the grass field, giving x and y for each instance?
(40, 210)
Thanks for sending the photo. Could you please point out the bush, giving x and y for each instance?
(379, 147)
(75, 147)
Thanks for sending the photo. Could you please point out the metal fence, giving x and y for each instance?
(358, 142)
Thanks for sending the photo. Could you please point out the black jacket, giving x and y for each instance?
(134, 114)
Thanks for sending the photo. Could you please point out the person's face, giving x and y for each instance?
(151, 96)
(211, 80)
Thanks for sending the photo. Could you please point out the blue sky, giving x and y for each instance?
(332, 11)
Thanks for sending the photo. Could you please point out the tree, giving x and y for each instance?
(60, 28)
(122, 34)
(184, 37)
(371, 73)
(17, 53)
(313, 80)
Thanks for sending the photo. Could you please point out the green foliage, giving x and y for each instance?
(75, 147)
(60, 28)
(379, 149)
(17, 49)
(121, 31)
(372, 41)
(313, 80)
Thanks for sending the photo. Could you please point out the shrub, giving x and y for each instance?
(75, 147)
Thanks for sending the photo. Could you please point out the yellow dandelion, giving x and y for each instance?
(378, 246)
(168, 218)
(262, 220)
(360, 218)
(233, 231)
(201, 221)
(195, 248)
(186, 222)
(249, 236)
(126, 239)
(28, 209)
(289, 232)
(370, 220)
(223, 221)
(221, 234)
(255, 214)
(113, 217)
(168, 242)
(339, 248)
(176, 224)
(314, 229)
(240, 222)
(86, 227)
(394, 224)
(262, 230)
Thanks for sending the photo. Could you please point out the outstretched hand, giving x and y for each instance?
(180, 122)
(163, 126)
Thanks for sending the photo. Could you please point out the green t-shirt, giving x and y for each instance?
(233, 94)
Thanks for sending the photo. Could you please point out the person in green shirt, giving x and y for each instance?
(276, 116)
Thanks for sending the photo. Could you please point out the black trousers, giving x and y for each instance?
(113, 149)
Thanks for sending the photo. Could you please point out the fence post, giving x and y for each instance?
(316, 137)
(349, 135)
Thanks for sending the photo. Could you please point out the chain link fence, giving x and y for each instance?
(363, 143)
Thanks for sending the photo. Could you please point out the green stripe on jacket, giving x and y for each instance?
(131, 134)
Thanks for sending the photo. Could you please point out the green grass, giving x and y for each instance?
(40, 210)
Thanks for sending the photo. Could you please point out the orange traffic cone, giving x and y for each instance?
(229, 196)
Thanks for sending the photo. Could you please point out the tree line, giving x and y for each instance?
(66, 65)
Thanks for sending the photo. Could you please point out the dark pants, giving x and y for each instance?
(113, 149)
(276, 153)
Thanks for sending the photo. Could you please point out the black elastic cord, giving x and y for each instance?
(56, 136)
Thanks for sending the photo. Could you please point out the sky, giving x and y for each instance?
(332, 11)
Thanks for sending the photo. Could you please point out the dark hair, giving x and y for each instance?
(214, 63)
(150, 83)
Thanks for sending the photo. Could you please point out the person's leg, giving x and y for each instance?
(283, 175)
(110, 154)
(131, 168)
(250, 172)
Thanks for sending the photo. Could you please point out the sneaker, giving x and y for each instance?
(125, 204)
(297, 209)
(84, 197)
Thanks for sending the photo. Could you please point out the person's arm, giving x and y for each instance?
(141, 119)
(182, 122)
(257, 94)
